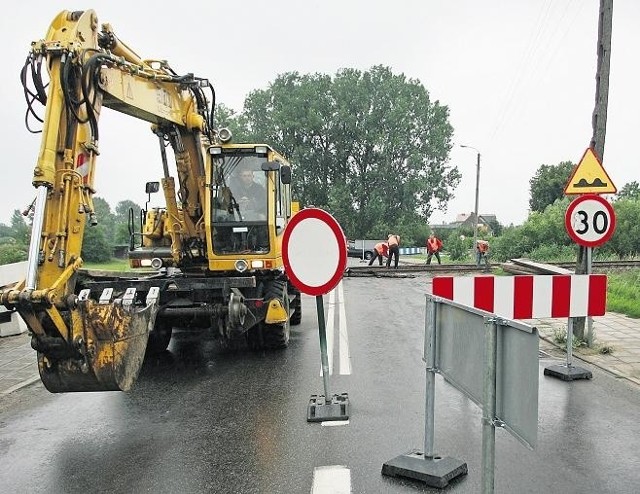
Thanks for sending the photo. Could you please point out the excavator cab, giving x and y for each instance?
(240, 206)
(250, 202)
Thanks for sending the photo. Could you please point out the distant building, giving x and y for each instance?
(466, 220)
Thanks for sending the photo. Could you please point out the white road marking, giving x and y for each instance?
(336, 298)
(333, 479)
(345, 356)
(329, 330)
(22, 384)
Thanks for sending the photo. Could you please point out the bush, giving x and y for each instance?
(457, 248)
(10, 253)
(553, 252)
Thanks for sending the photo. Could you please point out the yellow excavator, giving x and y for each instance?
(216, 245)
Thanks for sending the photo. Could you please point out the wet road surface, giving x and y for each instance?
(202, 419)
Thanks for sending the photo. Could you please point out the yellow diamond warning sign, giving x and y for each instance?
(589, 177)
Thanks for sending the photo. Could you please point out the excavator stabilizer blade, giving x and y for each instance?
(111, 349)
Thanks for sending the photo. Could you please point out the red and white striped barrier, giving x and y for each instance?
(528, 297)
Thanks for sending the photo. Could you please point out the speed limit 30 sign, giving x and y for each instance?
(590, 220)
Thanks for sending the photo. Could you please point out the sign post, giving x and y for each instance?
(588, 177)
(314, 253)
(590, 221)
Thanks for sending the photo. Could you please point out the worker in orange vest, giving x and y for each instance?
(482, 250)
(434, 246)
(394, 249)
(379, 250)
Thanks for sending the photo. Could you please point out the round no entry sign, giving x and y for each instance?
(314, 251)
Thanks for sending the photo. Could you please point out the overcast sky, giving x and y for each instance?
(517, 76)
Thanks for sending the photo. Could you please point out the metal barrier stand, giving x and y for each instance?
(489, 406)
(568, 372)
(426, 466)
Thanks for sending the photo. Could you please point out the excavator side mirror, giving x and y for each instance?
(152, 187)
(285, 174)
(269, 166)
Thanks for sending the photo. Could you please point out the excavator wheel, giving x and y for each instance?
(296, 306)
(160, 337)
(255, 337)
(276, 336)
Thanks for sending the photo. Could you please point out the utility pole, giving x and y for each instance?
(475, 211)
(599, 125)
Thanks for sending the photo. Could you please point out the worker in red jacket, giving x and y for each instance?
(482, 253)
(379, 250)
(434, 246)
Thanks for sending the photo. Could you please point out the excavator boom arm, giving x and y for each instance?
(86, 344)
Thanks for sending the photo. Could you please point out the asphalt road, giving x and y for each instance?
(204, 420)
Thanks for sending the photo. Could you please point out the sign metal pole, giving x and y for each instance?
(430, 391)
(589, 254)
(323, 347)
(489, 406)
(569, 342)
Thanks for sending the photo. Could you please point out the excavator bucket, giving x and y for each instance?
(111, 349)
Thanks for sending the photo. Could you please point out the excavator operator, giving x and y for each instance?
(251, 196)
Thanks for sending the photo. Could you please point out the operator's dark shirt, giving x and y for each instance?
(256, 197)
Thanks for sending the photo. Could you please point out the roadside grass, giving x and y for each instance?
(560, 338)
(112, 265)
(444, 257)
(623, 292)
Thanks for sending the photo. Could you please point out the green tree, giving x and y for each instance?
(370, 146)
(105, 218)
(121, 220)
(95, 246)
(6, 231)
(626, 238)
(21, 231)
(228, 118)
(98, 240)
(630, 190)
(548, 184)
(496, 226)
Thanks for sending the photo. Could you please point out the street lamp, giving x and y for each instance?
(475, 213)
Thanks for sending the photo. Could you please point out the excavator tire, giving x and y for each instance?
(296, 306)
(160, 337)
(276, 336)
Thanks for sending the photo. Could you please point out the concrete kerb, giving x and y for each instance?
(18, 363)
